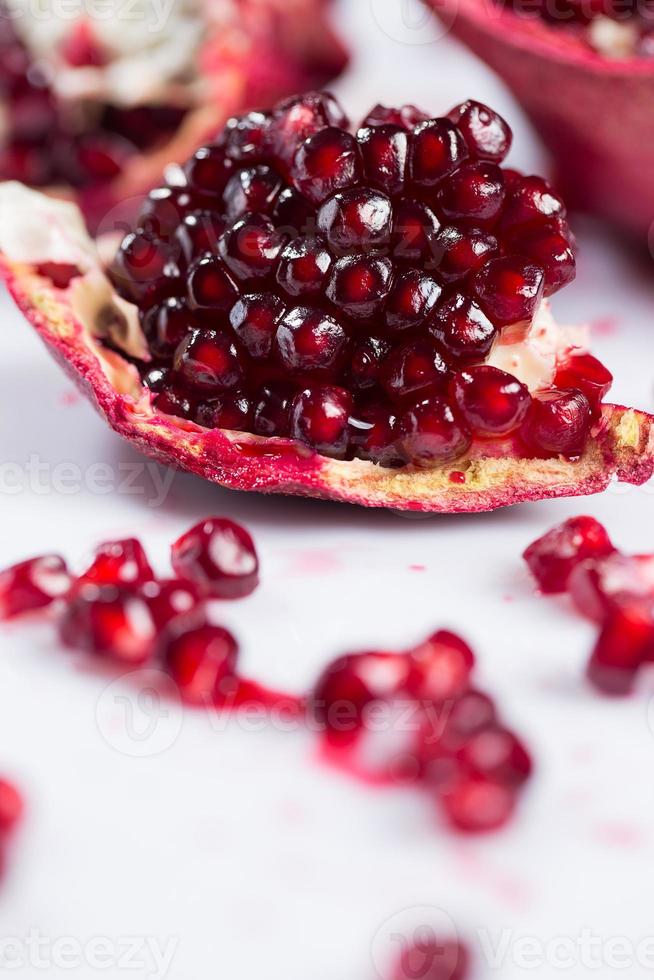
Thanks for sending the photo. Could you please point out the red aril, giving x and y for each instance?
(202, 662)
(553, 557)
(32, 585)
(219, 557)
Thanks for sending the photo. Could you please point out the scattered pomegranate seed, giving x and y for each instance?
(475, 804)
(219, 556)
(433, 958)
(552, 558)
(171, 600)
(11, 807)
(600, 585)
(112, 621)
(626, 641)
(32, 585)
(202, 662)
(119, 563)
(440, 668)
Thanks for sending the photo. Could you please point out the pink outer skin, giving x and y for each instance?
(594, 114)
(623, 445)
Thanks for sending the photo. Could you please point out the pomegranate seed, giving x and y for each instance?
(359, 285)
(588, 375)
(304, 267)
(552, 558)
(167, 325)
(171, 401)
(463, 252)
(11, 807)
(415, 231)
(199, 232)
(293, 214)
(295, 119)
(209, 284)
(626, 642)
(156, 378)
(406, 117)
(373, 433)
(319, 417)
(433, 958)
(81, 48)
(202, 662)
(247, 137)
(233, 411)
(414, 366)
(462, 330)
(412, 299)
(603, 584)
(171, 601)
(119, 563)
(163, 210)
(367, 358)
(487, 135)
(272, 410)
(475, 804)
(431, 433)
(509, 289)
(209, 361)
(531, 201)
(251, 248)
(385, 151)
(440, 668)
(491, 401)
(253, 189)
(472, 713)
(549, 249)
(60, 274)
(474, 194)
(208, 170)
(254, 319)
(142, 269)
(437, 149)
(309, 341)
(357, 218)
(32, 584)
(558, 422)
(496, 754)
(326, 162)
(111, 621)
(219, 556)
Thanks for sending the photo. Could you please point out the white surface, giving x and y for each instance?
(233, 844)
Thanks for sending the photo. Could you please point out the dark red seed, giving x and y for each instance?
(309, 341)
(461, 252)
(209, 361)
(432, 958)
(297, 118)
(32, 585)
(163, 210)
(368, 355)
(172, 401)
(625, 643)
(208, 170)
(599, 585)
(251, 247)
(491, 401)
(219, 556)
(496, 754)
(411, 301)
(272, 410)
(487, 135)
(530, 201)
(254, 319)
(304, 266)
(554, 556)
(385, 152)
(551, 250)
(293, 215)
(440, 668)
(210, 285)
(319, 417)
(246, 137)
(415, 366)
(437, 149)
(326, 162)
(509, 289)
(112, 621)
(474, 804)
(359, 284)
(415, 230)
(142, 270)
(165, 326)
(558, 422)
(356, 218)
(199, 232)
(407, 116)
(373, 431)
(253, 189)
(462, 330)
(156, 378)
(431, 433)
(172, 601)
(202, 662)
(233, 411)
(587, 374)
(119, 563)
(474, 194)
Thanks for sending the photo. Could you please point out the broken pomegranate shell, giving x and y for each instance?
(593, 112)
(343, 363)
(91, 115)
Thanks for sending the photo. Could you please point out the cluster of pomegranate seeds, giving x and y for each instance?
(42, 143)
(612, 589)
(346, 289)
(416, 716)
(433, 958)
(615, 29)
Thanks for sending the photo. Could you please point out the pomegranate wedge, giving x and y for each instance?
(356, 316)
(584, 74)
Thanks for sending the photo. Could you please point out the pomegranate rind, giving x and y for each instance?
(593, 113)
(622, 447)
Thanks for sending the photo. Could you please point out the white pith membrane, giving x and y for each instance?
(37, 229)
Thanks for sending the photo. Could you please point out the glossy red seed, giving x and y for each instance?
(247, 136)
(385, 152)
(254, 320)
(431, 433)
(624, 644)
(304, 266)
(252, 189)
(112, 621)
(319, 418)
(162, 211)
(413, 367)
(202, 662)
(432, 958)
(272, 409)
(165, 326)
(119, 563)
(209, 284)
(11, 807)
(437, 149)
(558, 422)
(487, 135)
(474, 804)
(309, 342)
(462, 252)
(415, 231)
(462, 330)
(412, 299)
(548, 248)
(474, 194)
(326, 162)
(356, 218)
(208, 170)
(251, 247)
(172, 601)
(407, 116)
(496, 754)
(509, 289)
(373, 434)
(552, 558)
(359, 284)
(172, 401)
(440, 668)
(587, 374)
(297, 118)
(491, 401)
(231, 411)
(156, 378)
(139, 270)
(293, 215)
(199, 232)
(600, 585)
(368, 355)
(32, 585)
(530, 201)
(209, 361)
(219, 556)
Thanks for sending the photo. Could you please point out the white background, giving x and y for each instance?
(255, 861)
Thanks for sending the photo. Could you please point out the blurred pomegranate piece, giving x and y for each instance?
(11, 806)
(219, 556)
(599, 586)
(431, 958)
(552, 558)
(111, 621)
(625, 643)
(32, 585)
(440, 668)
(119, 563)
(202, 662)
